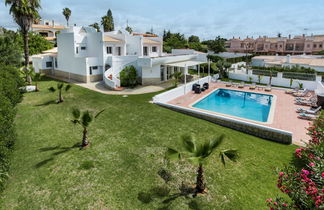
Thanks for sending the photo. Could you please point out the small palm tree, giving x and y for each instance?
(60, 86)
(260, 78)
(198, 154)
(84, 119)
(67, 13)
(177, 76)
(37, 78)
(28, 74)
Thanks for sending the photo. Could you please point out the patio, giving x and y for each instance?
(285, 116)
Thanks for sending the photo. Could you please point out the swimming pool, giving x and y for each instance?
(252, 106)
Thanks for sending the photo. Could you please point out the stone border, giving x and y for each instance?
(273, 134)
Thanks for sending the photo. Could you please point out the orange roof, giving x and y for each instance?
(47, 27)
(50, 38)
(145, 35)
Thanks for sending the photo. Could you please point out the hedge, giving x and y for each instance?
(10, 95)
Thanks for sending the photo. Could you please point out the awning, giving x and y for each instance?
(185, 63)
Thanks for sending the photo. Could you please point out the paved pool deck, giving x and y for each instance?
(284, 115)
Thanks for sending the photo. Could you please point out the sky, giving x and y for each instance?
(205, 18)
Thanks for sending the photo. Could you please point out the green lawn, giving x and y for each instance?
(120, 168)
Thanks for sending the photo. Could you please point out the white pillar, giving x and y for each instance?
(208, 70)
(185, 79)
(172, 70)
(165, 73)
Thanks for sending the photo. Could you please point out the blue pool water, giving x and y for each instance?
(252, 106)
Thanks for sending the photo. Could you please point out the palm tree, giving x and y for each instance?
(177, 76)
(24, 12)
(37, 78)
(84, 119)
(198, 155)
(67, 13)
(60, 86)
(95, 26)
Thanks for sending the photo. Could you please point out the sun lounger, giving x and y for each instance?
(268, 88)
(253, 86)
(306, 103)
(309, 111)
(292, 91)
(301, 94)
(206, 86)
(229, 84)
(241, 85)
(307, 116)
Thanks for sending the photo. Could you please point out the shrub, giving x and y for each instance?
(303, 180)
(9, 97)
(128, 77)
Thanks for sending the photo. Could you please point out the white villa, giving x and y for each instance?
(85, 55)
(48, 29)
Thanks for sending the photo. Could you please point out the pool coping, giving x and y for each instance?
(270, 115)
(262, 131)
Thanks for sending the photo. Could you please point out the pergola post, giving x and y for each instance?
(208, 70)
(185, 79)
(198, 72)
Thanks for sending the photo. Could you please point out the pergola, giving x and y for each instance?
(185, 64)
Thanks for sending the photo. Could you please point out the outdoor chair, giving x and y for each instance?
(229, 84)
(198, 90)
(206, 85)
(309, 111)
(307, 116)
(292, 91)
(253, 86)
(241, 85)
(268, 88)
(194, 86)
(301, 94)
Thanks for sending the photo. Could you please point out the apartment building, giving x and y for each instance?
(85, 55)
(48, 29)
(277, 45)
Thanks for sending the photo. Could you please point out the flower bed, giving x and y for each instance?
(303, 180)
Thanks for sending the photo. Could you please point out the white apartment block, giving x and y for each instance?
(85, 55)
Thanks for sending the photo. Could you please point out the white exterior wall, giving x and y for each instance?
(151, 72)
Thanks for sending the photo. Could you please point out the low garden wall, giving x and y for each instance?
(281, 136)
(277, 80)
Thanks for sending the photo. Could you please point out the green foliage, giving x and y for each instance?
(129, 29)
(296, 68)
(107, 22)
(128, 77)
(67, 13)
(174, 41)
(95, 26)
(37, 44)
(10, 95)
(217, 45)
(60, 86)
(10, 49)
(193, 38)
(177, 77)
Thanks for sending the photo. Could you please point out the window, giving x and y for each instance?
(49, 64)
(92, 68)
(77, 50)
(314, 45)
(83, 48)
(154, 49)
(119, 51)
(145, 51)
(109, 50)
(320, 46)
(95, 67)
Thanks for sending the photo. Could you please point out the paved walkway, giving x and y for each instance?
(101, 88)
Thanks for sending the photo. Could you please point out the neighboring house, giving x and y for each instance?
(277, 45)
(85, 55)
(314, 62)
(48, 29)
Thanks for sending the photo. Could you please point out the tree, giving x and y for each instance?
(174, 41)
(222, 67)
(194, 38)
(84, 119)
(24, 13)
(199, 154)
(217, 45)
(37, 78)
(67, 14)
(36, 43)
(107, 22)
(129, 29)
(10, 51)
(60, 86)
(128, 77)
(96, 26)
